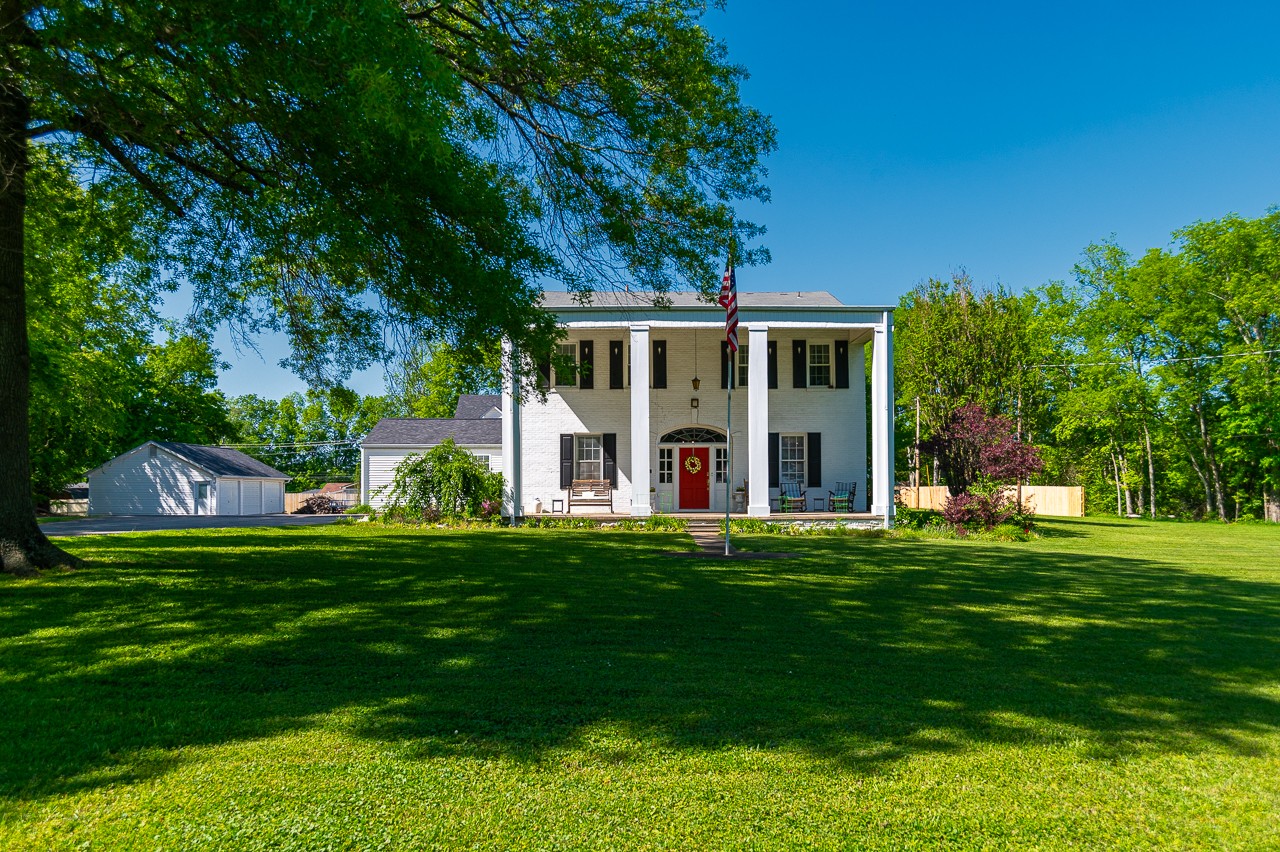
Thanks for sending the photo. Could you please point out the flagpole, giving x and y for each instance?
(729, 301)
(728, 473)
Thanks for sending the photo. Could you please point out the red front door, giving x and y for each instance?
(695, 478)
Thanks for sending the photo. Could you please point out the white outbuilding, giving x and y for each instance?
(170, 478)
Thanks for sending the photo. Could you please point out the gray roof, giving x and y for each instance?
(475, 406)
(222, 461)
(613, 299)
(411, 432)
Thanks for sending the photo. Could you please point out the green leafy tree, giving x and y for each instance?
(313, 437)
(430, 380)
(956, 345)
(328, 167)
(106, 372)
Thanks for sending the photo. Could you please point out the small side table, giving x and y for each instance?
(819, 504)
(557, 505)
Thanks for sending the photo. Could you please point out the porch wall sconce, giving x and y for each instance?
(697, 383)
(693, 403)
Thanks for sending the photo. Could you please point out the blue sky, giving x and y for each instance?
(916, 139)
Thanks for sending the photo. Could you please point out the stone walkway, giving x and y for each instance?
(706, 535)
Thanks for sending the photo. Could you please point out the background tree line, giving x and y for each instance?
(1153, 381)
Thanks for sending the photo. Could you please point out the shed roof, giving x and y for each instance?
(427, 432)
(221, 461)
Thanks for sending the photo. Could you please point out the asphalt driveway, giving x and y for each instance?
(151, 523)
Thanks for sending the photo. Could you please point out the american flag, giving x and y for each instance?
(729, 301)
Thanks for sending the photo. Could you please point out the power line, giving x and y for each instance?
(1158, 361)
(274, 446)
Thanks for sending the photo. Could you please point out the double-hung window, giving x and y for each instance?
(744, 361)
(819, 365)
(588, 458)
(568, 352)
(791, 459)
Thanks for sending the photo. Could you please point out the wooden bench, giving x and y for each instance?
(591, 492)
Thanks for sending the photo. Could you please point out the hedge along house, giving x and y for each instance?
(170, 478)
(475, 427)
(644, 409)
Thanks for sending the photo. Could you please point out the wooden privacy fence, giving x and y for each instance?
(294, 499)
(1059, 500)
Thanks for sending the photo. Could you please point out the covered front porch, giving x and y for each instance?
(643, 412)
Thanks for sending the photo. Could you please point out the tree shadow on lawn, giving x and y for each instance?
(522, 644)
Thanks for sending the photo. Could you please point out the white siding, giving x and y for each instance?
(142, 482)
(838, 414)
(378, 468)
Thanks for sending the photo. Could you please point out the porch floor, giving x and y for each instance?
(718, 516)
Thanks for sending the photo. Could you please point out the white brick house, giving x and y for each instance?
(633, 415)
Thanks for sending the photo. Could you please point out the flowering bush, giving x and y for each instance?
(973, 445)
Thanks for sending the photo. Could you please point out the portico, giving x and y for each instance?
(644, 412)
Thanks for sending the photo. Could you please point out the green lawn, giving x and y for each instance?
(1115, 684)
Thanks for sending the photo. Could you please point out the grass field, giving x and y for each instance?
(1114, 684)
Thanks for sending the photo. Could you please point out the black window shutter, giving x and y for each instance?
(659, 363)
(775, 453)
(544, 373)
(586, 363)
(724, 364)
(815, 459)
(842, 363)
(799, 364)
(609, 443)
(772, 349)
(566, 461)
(615, 364)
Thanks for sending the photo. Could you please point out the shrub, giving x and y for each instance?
(362, 509)
(907, 518)
(444, 482)
(984, 507)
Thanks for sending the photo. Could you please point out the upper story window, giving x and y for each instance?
(744, 361)
(569, 352)
(819, 365)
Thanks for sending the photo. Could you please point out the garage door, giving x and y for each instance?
(273, 498)
(251, 497)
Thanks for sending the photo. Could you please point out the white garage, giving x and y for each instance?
(170, 478)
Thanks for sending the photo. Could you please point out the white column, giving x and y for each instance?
(858, 424)
(640, 421)
(513, 496)
(758, 420)
(882, 420)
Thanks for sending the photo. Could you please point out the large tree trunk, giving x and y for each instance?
(1151, 472)
(23, 547)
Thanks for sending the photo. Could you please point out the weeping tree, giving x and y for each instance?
(359, 173)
